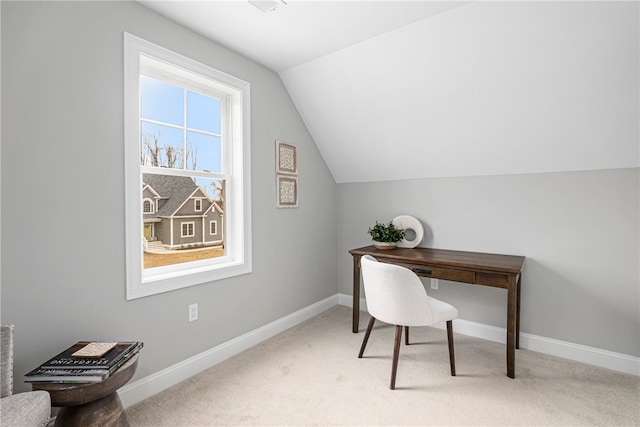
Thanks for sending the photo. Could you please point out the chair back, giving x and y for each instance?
(6, 360)
(395, 294)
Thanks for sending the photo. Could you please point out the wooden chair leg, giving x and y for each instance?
(452, 358)
(406, 335)
(396, 354)
(366, 336)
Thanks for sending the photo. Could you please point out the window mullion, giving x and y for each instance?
(181, 172)
(184, 131)
(156, 122)
(204, 132)
(226, 137)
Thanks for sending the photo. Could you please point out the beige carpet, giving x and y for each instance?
(310, 375)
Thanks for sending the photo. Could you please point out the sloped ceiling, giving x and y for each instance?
(299, 32)
(456, 89)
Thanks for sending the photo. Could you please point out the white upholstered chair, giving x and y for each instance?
(395, 295)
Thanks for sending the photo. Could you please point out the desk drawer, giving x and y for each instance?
(493, 279)
(440, 272)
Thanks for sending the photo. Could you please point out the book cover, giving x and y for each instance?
(124, 359)
(73, 375)
(66, 375)
(95, 349)
(65, 360)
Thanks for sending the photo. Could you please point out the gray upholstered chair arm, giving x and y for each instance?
(32, 408)
(6, 360)
(22, 409)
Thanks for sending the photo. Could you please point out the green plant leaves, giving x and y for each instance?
(382, 232)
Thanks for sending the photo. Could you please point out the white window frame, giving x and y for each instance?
(197, 205)
(187, 224)
(213, 224)
(237, 260)
(151, 205)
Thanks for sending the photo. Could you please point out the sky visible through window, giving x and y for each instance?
(169, 114)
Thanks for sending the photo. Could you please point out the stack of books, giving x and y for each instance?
(85, 362)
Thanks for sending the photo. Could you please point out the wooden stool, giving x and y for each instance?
(91, 404)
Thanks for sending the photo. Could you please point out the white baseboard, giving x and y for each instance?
(567, 350)
(582, 353)
(146, 387)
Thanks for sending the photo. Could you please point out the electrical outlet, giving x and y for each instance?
(193, 312)
(434, 284)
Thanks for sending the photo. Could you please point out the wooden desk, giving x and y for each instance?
(499, 271)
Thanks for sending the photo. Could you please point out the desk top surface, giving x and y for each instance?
(448, 258)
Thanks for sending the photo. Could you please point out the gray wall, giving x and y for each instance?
(578, 230)
(63, 265)
(62, 211)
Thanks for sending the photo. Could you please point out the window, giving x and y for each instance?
(186, 138)
(187, 229)
(213, 227)
(147, 206)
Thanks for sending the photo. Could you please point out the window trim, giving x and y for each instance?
(238, 258)
(151, 206)
(190, 225)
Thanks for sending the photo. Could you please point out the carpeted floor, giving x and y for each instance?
(310, 375)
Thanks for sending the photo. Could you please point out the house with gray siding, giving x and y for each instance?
(178, 214)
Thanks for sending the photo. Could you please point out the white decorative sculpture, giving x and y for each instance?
(407, 222)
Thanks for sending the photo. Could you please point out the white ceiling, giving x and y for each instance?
(408, 90)
(298, 32)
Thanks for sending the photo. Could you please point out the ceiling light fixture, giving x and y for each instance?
(268, 5)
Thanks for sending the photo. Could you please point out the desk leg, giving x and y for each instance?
(518, 290)
(356, 294)
(512, 309)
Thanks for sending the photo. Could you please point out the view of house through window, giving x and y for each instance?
(187, 171)
(181, 162)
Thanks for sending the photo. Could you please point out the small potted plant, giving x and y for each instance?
(385, 236)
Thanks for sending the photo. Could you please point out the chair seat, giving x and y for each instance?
(441, 310)
(25, 409)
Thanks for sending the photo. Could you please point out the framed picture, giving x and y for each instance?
(286, 158)
(287, 187)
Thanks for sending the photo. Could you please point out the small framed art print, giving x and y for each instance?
(287, 187)
(286, 158)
